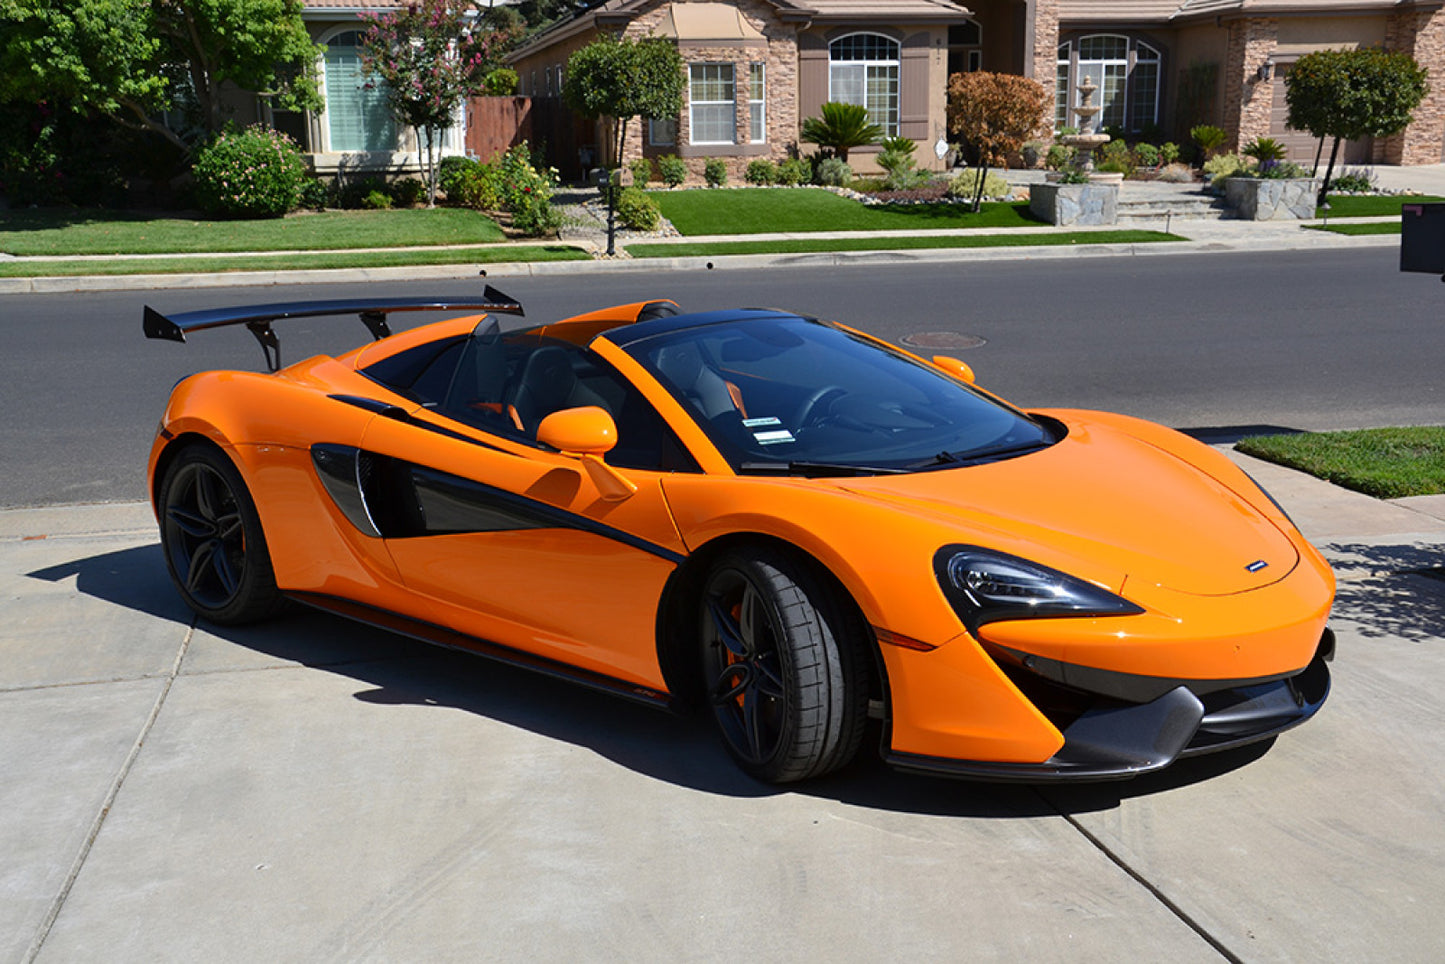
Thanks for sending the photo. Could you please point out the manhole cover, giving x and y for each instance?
(942, 339)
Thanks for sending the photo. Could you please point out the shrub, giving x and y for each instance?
(636, 210)
(833, 172)
(407, 191)
(965, 185)
(253, 173)
(479, 187)
(795, 170)
(501, 82)
(1274, 170)
(715, 172)
(1168, 153)
(1221, 166)
(841, 127)
(1147, 155)
(641, 169)
(1117, 158)
(315, 193)
(450, 173)
(1264, 149)
(761, 171)
(527, 192)
(1176, 173)
(672, 169)
(1359, 180)
(897, 159)
(1059, 156)
(376, 200)
(1209, 138)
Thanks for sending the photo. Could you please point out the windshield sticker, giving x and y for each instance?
(773, 438)
(755, 422)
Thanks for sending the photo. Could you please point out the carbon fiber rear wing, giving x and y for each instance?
(258, 318)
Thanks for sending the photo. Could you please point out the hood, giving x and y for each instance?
(1104, 506)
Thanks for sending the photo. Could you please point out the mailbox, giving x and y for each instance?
(1422, 238)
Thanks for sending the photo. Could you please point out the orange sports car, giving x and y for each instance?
(790, 522)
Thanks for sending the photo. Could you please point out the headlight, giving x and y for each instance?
(985, 586)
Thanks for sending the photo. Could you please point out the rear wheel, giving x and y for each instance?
(782, 661)
(212, 539)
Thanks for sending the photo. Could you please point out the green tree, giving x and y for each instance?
(1350, 94)
(840, 128)
(430, 61)
(619, 79)
(995, 113)
(134, 60)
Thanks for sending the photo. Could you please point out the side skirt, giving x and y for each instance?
(451, 639)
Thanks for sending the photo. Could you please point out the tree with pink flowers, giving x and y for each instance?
(430, 55)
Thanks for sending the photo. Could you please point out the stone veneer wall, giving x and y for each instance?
(1045, 55)
(1420, 33)
(780, 59)
(1247, 99)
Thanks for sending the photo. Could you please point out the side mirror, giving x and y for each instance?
(954, 367)
(579, 431)
(588, 433)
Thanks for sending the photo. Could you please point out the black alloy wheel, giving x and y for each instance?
(783, 665)
(212, 539)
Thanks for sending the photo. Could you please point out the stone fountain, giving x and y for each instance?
(1087, 141)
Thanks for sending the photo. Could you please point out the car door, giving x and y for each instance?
(503, 539)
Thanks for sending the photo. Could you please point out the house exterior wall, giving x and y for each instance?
(1420, 33)
(1248, 100)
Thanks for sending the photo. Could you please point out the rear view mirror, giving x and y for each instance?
(954, 367)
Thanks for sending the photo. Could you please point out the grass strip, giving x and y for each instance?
(291, 262)
(40, 232)
(760, 210)
(1369, 227)
(1371, 205)
(1388, 463)
(818, 245)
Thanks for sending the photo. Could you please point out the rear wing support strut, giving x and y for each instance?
(258, 318)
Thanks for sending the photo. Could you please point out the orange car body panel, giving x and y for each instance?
(589, 597)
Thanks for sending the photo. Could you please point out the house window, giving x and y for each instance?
(712, 116)
(863, 69)
(357, 116)
(1126, 71)
(662, 132)
(757, 103)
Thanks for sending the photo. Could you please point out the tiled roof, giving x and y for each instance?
(1163, 11)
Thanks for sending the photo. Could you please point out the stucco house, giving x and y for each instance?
(757, 68)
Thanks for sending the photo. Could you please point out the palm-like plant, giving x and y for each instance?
(841, 128)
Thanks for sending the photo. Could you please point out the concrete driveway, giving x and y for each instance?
(309, 790)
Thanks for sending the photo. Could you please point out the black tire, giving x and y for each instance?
(783, 667)
(212, 539)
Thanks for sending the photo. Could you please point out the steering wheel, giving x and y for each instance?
(815, 407)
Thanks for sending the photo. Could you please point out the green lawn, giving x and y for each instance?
(294, 262)
(1388, 463)
(1369, 227)
(58, 232)
(1371, 205)
(808, 245)
(758, 210)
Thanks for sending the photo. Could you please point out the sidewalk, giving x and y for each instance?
(310, 790)
(1200, 236)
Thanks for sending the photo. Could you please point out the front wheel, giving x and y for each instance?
(212, 539)
(784, 665)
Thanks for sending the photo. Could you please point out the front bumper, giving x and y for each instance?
(1115, 740)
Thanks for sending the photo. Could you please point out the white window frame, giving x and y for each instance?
(1134, 100)
(871, 71)
(758, 102)
(694, 102)
(377, 97)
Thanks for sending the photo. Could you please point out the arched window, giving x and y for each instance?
(357, 117)
(1125, 70)
(863, 69)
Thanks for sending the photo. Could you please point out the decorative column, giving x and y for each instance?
(1248, 98)
(1421, 34)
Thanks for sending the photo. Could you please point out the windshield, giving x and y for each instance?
(783, 394)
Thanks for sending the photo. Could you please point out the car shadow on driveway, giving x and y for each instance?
(679, 749)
